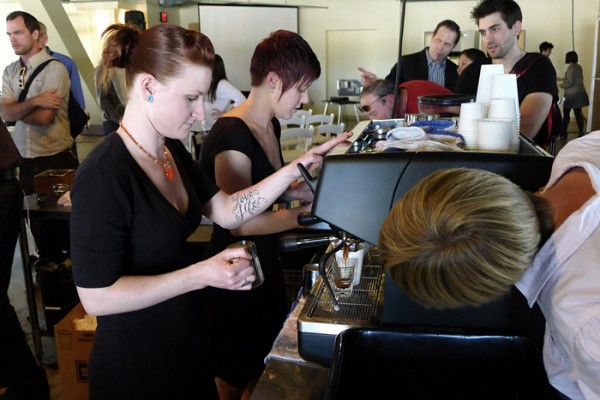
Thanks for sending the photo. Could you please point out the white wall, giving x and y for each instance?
(544, 20)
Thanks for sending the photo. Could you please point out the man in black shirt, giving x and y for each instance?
(499, 23)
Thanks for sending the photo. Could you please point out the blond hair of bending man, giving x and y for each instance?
(461, 237)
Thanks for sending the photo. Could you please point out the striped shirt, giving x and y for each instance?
(40, 140)
(437, 71)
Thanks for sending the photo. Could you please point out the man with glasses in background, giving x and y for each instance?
(377, 97)
(42, 130)
(431, 63)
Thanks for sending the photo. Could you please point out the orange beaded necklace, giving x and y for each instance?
(164, 164)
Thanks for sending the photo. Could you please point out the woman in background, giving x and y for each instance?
(468, 57)
(136, 199)
(241, 149)
(111, 89)
(575, 95)
(221, 95)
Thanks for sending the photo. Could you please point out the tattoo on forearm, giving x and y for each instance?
(248, 204)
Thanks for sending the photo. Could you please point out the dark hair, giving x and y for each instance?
(475, 55)
(289, 56)
(31, 22)
(509, 10)
(453, 26)
(159, 51)
(571, 57)
(217, 75)
(546, 46)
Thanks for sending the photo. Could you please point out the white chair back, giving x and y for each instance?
(323, 132)
(330, 129)
(299, 113)
(295, 142)
(293, 121)
(319, 119)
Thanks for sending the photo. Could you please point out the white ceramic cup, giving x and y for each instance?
(494, 134)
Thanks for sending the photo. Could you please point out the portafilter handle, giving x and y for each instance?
(323, 273)
(290, 243)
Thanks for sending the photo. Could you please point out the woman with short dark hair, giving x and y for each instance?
(242, 148)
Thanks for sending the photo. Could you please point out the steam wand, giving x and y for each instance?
(323, 273)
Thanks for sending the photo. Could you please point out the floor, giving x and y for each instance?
(85, 144)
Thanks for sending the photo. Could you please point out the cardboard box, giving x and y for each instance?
(43, 182)
(73, 348)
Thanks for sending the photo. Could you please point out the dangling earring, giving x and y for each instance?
(272, 90)
(151, 98)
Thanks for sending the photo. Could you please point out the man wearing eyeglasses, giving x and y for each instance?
(377, 97)
(42, 130)
(431, 63)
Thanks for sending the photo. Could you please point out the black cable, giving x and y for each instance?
(399, 63)
(573, 25)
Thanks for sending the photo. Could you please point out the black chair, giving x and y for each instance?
(379, 363)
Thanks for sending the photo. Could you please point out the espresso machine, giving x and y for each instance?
(353, 194)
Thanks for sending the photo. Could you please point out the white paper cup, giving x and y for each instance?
(471, 139)
(505, 86)
(494, 134)
(506, 108)
(357, 256)
(484, 86)
(502, 107)
(469, 114)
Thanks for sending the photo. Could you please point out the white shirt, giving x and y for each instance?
(226, 95)
(565, 281)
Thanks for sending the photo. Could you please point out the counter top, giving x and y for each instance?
(287, 375)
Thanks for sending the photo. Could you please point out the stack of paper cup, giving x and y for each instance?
(484, 86)
(505, 86)
(467, 123)
(494, 134)
(504, 108)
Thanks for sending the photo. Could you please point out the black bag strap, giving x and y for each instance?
(35, 72)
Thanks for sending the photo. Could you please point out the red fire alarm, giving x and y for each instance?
(163, 16)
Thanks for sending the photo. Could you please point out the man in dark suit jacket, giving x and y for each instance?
(431, 63)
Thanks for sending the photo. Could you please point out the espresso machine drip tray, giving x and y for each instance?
(362, 308)
(359, 308)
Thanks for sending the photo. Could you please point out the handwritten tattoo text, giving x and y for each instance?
(248, 204)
